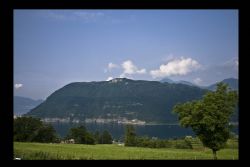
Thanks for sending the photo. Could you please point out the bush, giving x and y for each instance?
(188, 142)
(151, 143)
(160, 144)
(183, 144)
(167, 144)
(232, 143)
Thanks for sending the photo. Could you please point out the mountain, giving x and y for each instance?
(164, 80)
(232, 82)
(167, 80)
(119, 99)
(23, 104)
(186, 83)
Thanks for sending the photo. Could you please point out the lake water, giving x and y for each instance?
(117, 130)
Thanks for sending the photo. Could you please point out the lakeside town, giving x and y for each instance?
(121, 120)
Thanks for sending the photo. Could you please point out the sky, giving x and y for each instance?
(53, 48)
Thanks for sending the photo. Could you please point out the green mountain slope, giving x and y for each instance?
(120, 98)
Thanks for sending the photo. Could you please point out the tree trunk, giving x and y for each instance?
(214, 153)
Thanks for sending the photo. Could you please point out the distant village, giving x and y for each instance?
(96, 120)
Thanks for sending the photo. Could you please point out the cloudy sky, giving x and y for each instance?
(55, 47)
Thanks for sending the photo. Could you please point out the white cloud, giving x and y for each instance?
(181, 66)
(197, 81)
(122, 75)
(125, 76)
(130, 68)
(109, 78)
(142, 71)
(18, 86)
(112, 65)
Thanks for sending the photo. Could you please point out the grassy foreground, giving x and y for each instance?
(111, 151)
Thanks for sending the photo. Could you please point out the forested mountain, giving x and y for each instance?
(119, 99)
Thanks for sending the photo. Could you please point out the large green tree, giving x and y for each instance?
(209, 117)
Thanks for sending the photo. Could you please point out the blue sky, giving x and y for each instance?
(55, 47)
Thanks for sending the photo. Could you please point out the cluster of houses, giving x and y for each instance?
(72, 141)
(122, 120)
(69, 141)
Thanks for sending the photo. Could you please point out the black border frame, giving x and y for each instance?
(7, 53)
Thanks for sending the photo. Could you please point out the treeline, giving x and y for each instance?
(188, 142)
(29, 129)
(159, 143)
(131, 139)
(82, 136)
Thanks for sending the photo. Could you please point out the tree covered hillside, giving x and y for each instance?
(120, 98)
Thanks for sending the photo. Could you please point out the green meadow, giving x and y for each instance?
(33, 151)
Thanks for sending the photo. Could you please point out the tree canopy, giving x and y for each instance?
(81, 135)
(209, 117)
(28, 129)
(105, 138)
(130, 136)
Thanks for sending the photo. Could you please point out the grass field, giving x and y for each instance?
(112, 151)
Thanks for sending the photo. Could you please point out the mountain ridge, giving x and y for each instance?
(119, 99)
(22, 105)
(232, 83)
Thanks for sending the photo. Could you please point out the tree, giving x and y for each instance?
(97, 137)
(209, 117)
(130, 136)
(45, 134)
(81, 135)
(28, 129)
(105, 138)
(24, 127)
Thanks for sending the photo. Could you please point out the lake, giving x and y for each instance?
(117, 130)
